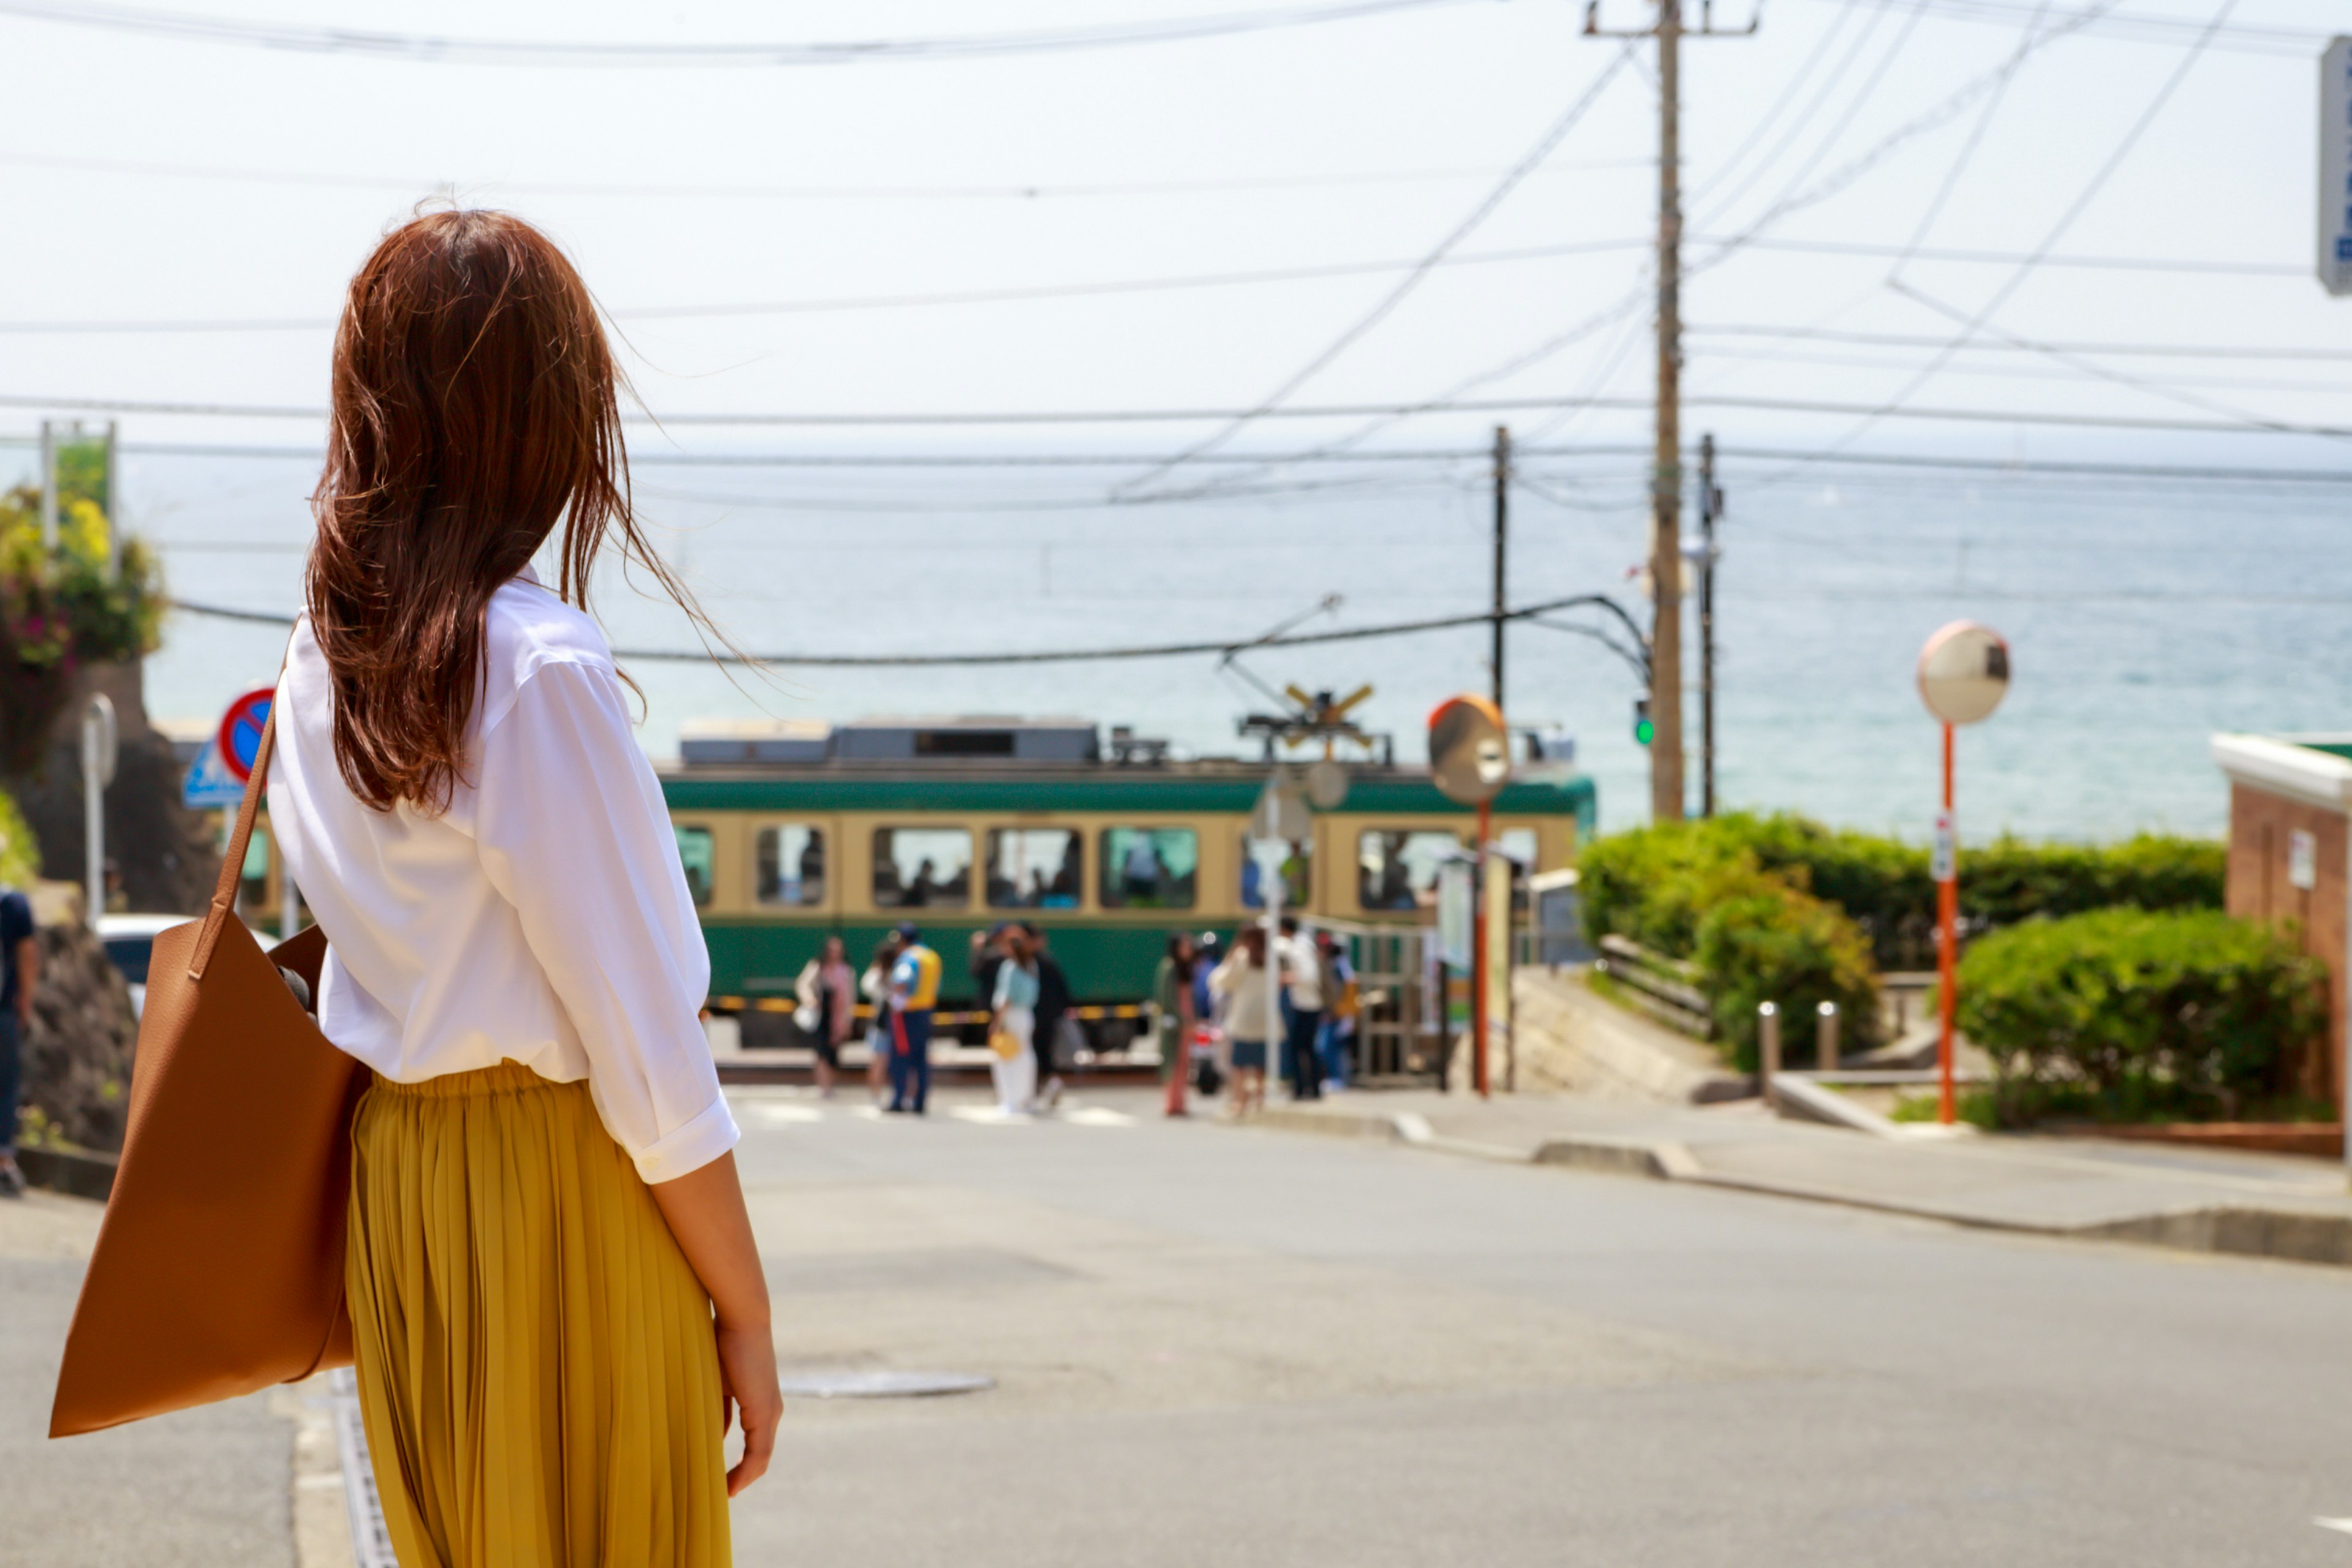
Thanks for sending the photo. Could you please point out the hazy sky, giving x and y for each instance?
(163, 179)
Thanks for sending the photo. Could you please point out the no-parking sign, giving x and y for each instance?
(240, 731)
(216, 778)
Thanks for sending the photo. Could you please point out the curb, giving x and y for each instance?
(2227, 1230)
(76, 1172)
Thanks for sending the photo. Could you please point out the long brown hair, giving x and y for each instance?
(475, 403)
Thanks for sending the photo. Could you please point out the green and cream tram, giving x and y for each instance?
(791, 832)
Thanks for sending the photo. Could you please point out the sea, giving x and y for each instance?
(2145, 612)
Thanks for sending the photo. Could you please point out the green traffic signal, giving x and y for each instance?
(1643, 731)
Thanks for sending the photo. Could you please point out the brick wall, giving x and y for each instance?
(2260, 825)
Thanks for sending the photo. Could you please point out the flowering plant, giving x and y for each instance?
(62, 604)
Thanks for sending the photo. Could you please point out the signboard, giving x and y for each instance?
(1940, 864)
(240, 731)
(209, 785)
(2303, 859)
(216, 778)
(1497, 895)
(1456, 889)
(2336, 167)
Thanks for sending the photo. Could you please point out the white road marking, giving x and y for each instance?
(2342, 1526)
(784, 1113)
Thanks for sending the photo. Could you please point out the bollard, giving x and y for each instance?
(1826, 1056)
(1767, 1046)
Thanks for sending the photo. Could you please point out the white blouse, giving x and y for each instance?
(545, 918)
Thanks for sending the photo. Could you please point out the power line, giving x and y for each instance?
(1925, 341)
(434, 49)
(2240, 35)
(1212, 280)
(1055, 656)
(2066, 220)
(2218, 473)
(1178, 416)
(2048, 465)
(1545, 145)
(2063, 368)
(902, 302)
(1007, 191)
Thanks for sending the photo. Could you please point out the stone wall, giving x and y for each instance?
(165, 852)
(76, 1060)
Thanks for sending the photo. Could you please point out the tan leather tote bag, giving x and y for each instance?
(219, 1266)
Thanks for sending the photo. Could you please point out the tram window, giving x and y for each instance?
(1397, 870)
(1297, 876)
(1519, 843)
(1149, 867)
(792, 865)
(921, 868)
(1035, 868)
(700, 858)
(253, 877)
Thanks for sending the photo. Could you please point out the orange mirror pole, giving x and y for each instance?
(1947, 939)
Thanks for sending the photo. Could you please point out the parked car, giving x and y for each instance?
(129, 940)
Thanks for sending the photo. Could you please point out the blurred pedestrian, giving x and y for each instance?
(987, 954)
(1172, 1015)
(1013, 1021)
(828, 990)
(1302, 988)
(1240, 985)
(874, 987)
(1053, 1007)
(1340, 1007)
(913, 993)
(20, 973)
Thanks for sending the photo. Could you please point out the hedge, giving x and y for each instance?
(1774, 942)
(1638, 883)
(2126, 1014)
(20, 857)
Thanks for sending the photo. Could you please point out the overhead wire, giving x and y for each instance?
(2057, 231)
(444, 49)
(1921, 340)
(1043, 190)
(1545, 145)
(1049, 656)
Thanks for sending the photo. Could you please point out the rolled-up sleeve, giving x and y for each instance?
(572, 831)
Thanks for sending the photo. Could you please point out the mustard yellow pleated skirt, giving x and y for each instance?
(536, 1364)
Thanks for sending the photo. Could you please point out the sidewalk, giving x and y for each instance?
(2201, 1200)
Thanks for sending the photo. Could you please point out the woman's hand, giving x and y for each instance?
(706, 1214)
(747, 1371)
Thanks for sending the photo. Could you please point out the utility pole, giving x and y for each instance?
(48, 484)
(1710, 507)
(1502, 536)
(1666, 785)
(1666, 478)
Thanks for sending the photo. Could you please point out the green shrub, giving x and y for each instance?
(20, 858)
(1775, 943)
(2127, 1014)
(1637, 883)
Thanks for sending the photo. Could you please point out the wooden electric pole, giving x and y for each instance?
(1666, 783)
(1502, 539)
(1666, 476)
(1710, 510)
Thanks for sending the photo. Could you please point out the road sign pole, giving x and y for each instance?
(98, 759)
(1947, 939)
(1478, 958)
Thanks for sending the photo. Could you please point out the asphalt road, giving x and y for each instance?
(1235, 1346)
(1226, 1346)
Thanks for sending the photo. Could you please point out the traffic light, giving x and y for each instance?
(1643, 731)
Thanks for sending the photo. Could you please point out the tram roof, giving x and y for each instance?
(1204, 786)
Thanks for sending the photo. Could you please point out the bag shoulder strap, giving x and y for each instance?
(233, 860)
